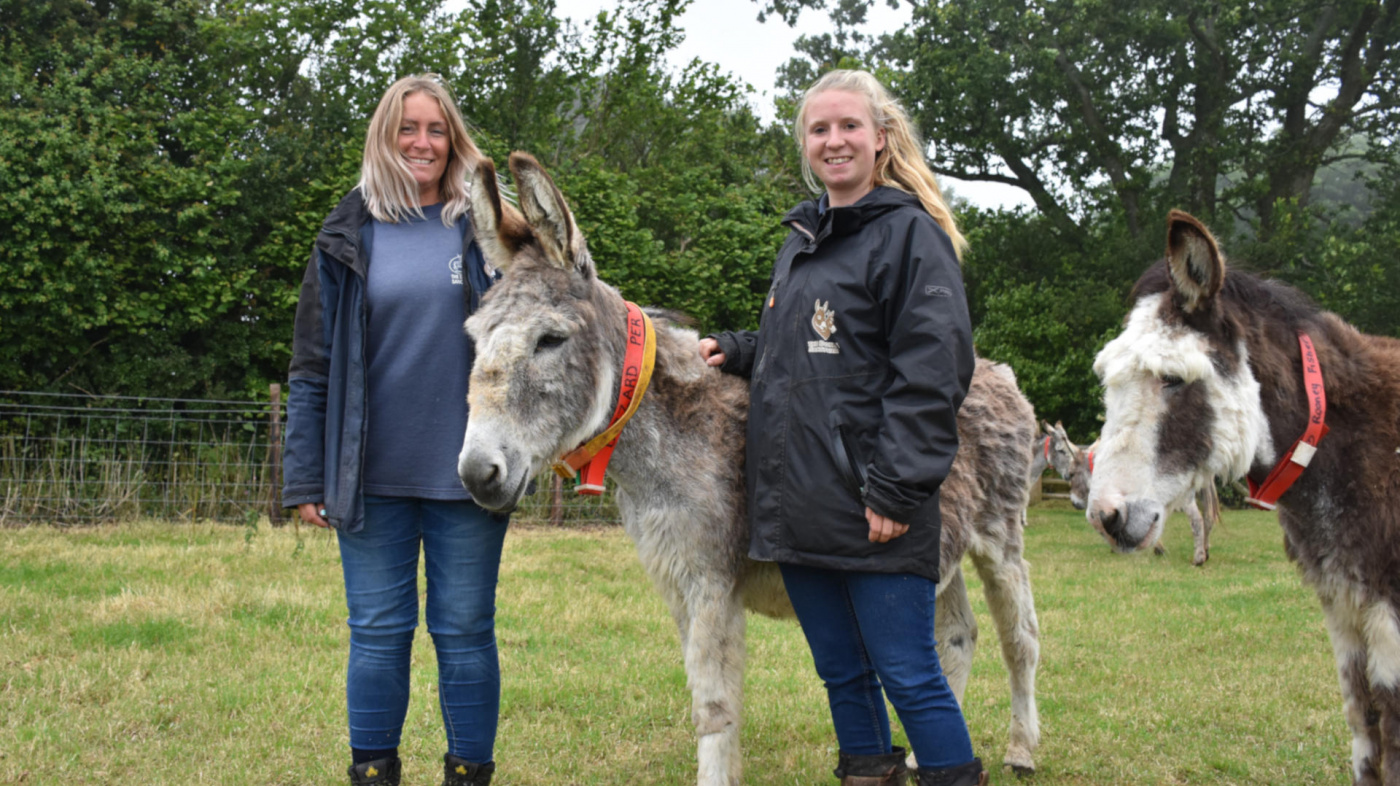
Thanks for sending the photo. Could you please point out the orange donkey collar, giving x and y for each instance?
(591, 459)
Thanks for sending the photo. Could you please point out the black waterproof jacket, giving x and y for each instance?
(862, 357)
(327, 410)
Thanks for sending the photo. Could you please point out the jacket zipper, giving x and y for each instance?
(773, 290)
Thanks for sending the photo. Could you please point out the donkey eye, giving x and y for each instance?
(549, 341)
(1170, 381)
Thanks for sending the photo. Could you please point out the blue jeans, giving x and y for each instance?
(874, 631)
(461, 545)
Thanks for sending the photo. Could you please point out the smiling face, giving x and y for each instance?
(425, 143)
(840, 141)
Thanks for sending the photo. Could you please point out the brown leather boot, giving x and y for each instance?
(886, 769)
(970, 774)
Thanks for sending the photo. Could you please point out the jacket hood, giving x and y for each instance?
(848, 219)
(340, 232)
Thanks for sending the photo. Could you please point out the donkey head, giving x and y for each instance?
(1061, 450)
(543, 379)
(1182, 404)
(1070, 461)
(1081, 472)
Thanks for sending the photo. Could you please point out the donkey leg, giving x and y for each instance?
(1381, 628)
(1007, 584)
(714, 667)
(1388, 699)
(955, 627)
(1349, 649)
(1198, 534)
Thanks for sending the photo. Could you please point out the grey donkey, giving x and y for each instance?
(550, 342)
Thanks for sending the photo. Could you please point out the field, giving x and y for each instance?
(210, 654)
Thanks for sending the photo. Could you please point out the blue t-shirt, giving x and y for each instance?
(418, 359)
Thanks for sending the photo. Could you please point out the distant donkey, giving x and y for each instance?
(1222, 373)
(1076, 464)
(551, 342)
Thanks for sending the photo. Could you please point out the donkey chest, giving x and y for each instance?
(1337, 545)
(675, 540)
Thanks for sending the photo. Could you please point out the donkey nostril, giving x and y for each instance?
(1111, 521)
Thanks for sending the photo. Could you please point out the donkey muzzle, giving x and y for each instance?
(495, 481)
(1129, 525)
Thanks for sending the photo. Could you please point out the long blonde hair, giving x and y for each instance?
(390, 192)
(901, 164)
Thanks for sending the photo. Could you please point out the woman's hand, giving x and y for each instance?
(709, 352)
(311, 513)
(882, 529)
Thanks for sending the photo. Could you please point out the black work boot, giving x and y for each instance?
(380, 772)
(457, 771)
(885, 769)
(970, 774)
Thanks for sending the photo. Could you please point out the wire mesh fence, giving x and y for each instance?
(70, 459)
(79, 459)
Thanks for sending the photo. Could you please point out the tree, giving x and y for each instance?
(1226, 109)
(165, 166)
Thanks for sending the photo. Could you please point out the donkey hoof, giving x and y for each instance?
(1020, 762)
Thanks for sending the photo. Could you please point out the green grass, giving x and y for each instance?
(192, 654)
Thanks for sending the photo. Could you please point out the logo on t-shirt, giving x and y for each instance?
(824, 322)
(454, 265)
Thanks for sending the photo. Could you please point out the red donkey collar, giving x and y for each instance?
(1265, 495)
(592, 457)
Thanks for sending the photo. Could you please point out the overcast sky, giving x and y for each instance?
(727, 32)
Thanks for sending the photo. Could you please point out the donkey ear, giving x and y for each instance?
(1194, 260)
(549, 215)
(500, 229)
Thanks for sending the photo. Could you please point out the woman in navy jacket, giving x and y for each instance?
(375, 418)
(862, 357)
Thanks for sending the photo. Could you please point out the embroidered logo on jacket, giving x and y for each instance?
(824, 322)
(454, 265)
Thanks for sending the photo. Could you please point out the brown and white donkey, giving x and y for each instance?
(1221, 373)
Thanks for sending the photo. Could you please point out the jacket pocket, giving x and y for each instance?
(848, 462)
(821, 507)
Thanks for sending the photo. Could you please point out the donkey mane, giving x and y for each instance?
(1268, 314)
(1266, 296)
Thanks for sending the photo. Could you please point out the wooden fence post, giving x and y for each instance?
(556, 507)
(274, 455)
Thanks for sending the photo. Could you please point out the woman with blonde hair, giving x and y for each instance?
(375, 417)
(862, 357)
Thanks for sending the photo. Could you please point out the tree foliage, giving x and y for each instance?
(1272, 120)
(165, 166)
(1226, 109)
